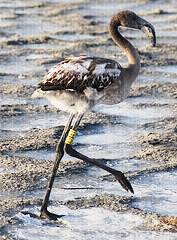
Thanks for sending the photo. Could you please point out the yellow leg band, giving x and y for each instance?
(71, 135)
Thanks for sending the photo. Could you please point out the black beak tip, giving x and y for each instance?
(153, 40)
(132, 191)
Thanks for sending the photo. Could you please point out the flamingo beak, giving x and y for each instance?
(149, 30)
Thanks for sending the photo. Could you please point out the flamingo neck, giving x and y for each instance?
(126, 46)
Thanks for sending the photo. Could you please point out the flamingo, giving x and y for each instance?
(76, 84)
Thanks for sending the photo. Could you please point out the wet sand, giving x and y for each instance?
(138, 136)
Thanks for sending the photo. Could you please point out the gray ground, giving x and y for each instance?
(138, 137)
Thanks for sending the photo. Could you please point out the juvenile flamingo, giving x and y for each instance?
(77, 84)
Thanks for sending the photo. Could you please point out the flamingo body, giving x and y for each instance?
(77, 84)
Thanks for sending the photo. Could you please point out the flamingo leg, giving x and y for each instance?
(59, 154)
(65, 143)
(72, 152)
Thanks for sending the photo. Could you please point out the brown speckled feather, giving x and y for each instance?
(78, 73)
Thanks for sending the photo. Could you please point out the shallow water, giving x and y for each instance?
(73, 37)
(106, 225)
(31, 121)
(157, 192)
(26, 63)
(136, 116)
(6, 134)
(164, 69)
(19, 65)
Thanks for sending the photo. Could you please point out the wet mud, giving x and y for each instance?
(138, 136)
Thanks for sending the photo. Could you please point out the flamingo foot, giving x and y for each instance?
(123, 181)
(44, 215)
(48, 215)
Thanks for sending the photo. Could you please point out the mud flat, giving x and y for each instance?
(138, 136)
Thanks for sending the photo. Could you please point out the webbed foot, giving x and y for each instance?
(48, 215)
